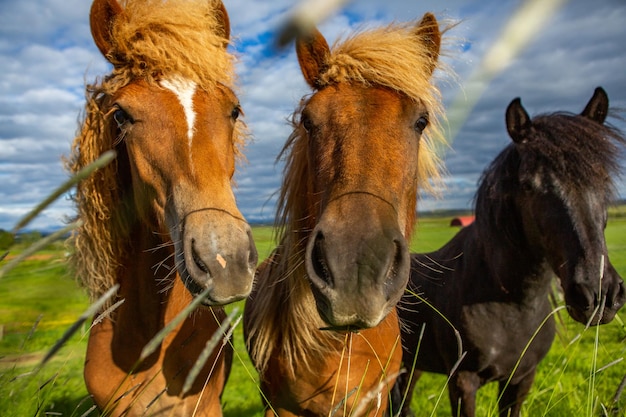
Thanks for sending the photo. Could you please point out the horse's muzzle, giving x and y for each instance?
(356, 279)
(219, 255)
(593, 306)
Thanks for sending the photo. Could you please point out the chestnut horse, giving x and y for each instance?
(161, 221)
(320, 324)
(541, 210)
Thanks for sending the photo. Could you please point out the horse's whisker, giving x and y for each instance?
(163, 264)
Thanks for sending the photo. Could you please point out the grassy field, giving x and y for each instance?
(39, 301)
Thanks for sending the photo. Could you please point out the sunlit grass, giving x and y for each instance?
(39, 300)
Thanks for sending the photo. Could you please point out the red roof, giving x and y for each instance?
(462, 221)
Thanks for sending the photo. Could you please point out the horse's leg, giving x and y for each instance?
(513, 395)
(462, 390)
(402, 394)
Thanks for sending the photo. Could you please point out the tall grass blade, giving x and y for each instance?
(106, 313)
(460, 353)
(618, 394)
(374, 392)
(342, 402)
(608, 365)
(154, 343)
(89, 411)
(31, 332)
(223, 331)
(306, 15)
(457, 335)
(405, 394)
(521, 356)
(40, 244)
(452, 371)
(93, 309)
(104, 160)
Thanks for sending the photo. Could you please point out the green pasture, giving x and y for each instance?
(39, 301)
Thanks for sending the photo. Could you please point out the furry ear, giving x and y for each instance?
(101, 17)
(224, 21)
(312, 50)
(598, 107)
(428, 31)
(518, 123)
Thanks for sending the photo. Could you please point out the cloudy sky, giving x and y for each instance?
(47, 55)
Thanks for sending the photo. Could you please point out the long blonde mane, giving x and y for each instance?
(284, 319)
(152, 39)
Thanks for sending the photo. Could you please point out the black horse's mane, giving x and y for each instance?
(576, 151)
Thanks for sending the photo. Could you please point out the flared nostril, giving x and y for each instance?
(319, 261)
(397, 274)
(398, 260)
(197, 259)
(618, 297)
(253, 255)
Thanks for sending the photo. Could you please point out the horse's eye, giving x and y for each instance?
(421, 124)
(307, 124)
(236, 112)
(121, 117)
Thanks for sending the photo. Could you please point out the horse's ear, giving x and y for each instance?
(312, 50)
(101, 17)
(428, 32)
(598, 107)
(224, 21)
(518, 123)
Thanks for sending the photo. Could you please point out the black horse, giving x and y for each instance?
(541, 209)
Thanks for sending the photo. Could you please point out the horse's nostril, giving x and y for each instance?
(253, 255)
(197, 259)
(397, 260)
(619, 297)
(318, 259)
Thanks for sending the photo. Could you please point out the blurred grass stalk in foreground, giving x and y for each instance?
(106, 158)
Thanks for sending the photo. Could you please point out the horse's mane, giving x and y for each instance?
(152, 39)
(183, 37)
(394, 57)
(579, 153)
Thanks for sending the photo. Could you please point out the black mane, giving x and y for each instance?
(578, 152)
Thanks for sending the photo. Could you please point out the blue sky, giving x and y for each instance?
(47, 55)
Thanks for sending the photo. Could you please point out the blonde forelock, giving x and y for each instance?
(150, 40)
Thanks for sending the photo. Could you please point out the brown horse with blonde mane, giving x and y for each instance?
(321, 325)
(161, 220)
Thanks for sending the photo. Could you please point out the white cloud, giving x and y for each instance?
(47, 55)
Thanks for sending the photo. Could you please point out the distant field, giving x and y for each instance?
(39, 301)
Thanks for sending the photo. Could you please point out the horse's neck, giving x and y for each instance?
(153, 294)
(149, 285)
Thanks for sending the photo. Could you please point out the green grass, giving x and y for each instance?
(39, 301)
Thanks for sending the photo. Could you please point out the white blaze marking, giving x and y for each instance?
(220, 259)
(184, 90)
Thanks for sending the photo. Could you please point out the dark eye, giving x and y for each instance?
(236, 112)
(121, 117)
(421, 124)
(307, 124)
